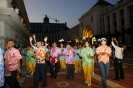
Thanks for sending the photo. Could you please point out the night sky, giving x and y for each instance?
(64, 10)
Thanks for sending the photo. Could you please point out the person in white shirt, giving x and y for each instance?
(118, 59)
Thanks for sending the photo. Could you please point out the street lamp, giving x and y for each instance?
(61, 40)
(93, 40)
(84, 38)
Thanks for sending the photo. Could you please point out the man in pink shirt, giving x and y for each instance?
(69, 57)
(12, 63)
(54, 60)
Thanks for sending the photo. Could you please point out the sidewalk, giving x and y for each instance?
(78, 81)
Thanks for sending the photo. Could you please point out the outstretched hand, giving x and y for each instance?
(34, 36)
(30, 38)
(45, 39)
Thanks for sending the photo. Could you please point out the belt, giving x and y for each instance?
(40, 63)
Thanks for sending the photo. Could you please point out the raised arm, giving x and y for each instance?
(45, 40)
(31, 39)
(34, 37)
(113, 43)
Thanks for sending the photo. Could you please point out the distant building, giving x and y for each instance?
(14, 23)
(105, 19)
(52, 30)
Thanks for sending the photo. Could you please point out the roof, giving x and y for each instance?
(103, 3)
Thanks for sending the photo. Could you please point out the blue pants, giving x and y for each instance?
(40, 71)
(104, 69)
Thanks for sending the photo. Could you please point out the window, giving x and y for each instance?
(114, 15)
(122, 12)
(92, 19)
(81, 24)
(108, 18)
(131, 9)
(57, 30)
(46, 26)
(52, 39)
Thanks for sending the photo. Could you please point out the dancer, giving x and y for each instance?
(32, 61)
(76, 59)
(54, 60)
(12, 61)
(62, 58)
(40, 69)
(87, 54)
(69, 57)
(1, 68)
(103, 52)
(118, 59)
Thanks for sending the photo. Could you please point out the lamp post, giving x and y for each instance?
(93, 40)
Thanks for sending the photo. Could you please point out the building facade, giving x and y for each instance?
(14, 23)
(54, 31)
(108, 20)
(118, 20)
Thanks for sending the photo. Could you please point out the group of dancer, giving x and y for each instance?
(69, 58)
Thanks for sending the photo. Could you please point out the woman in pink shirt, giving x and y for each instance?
(69, 58)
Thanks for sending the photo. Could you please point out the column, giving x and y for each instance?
(126, 17)
(118, 20)
(105, 24)
(5, 3)
(111, 23)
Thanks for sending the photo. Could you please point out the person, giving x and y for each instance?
(76, 59)
(54, 60)
(80, 61)
(112, 55)
(62, 58)
(40, 69)
(93, 59)
(103, 52)
(87, 54)
(118, 59)
(69, 57)
(27, 59)
(12, 61)
(23, 55)
(32, 61)
(2, 80)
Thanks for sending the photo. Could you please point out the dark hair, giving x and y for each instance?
(38, 41)
(120, 44)
(11, 40)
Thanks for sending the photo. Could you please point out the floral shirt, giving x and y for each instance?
(103, 57)
(1, 69)
(85, 60)
(54, 53)
(69, 56)
(40, 53)
(12, 56)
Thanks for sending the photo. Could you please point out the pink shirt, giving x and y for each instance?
(12, 56)
(54, 52)
(69, 56)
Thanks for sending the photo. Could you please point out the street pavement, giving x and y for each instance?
(78, 81)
